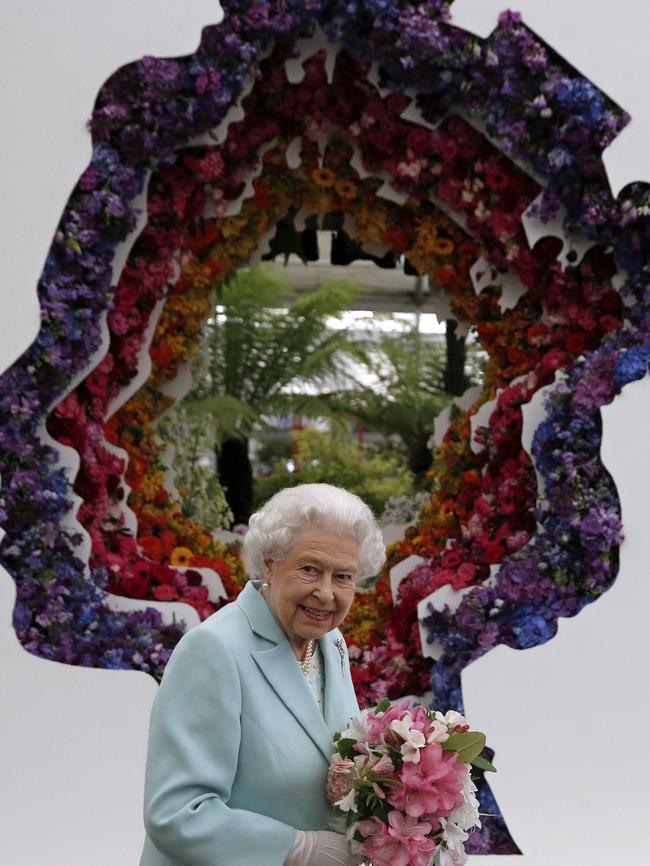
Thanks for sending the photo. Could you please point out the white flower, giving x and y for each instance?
(358, 728)
(451, 718)
(347, 803)
(439, 732)
(467, 815)
(443, 857)
(413, 739)
(453, 835)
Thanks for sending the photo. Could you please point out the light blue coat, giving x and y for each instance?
(238, 749)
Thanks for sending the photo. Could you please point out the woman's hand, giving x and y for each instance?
(321, 848)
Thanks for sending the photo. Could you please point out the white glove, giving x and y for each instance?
(320, 848)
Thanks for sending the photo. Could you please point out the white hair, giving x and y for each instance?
(274, 529)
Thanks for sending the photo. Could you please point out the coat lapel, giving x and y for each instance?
(335, 672)
(280, 668)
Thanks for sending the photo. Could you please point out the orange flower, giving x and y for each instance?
(204, 540)
(181, 557)
(323, 177)
(346, 189)
(442, 246)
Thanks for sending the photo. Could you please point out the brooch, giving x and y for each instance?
(341, 648)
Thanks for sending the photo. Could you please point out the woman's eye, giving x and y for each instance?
(344, 578)
(309, 569)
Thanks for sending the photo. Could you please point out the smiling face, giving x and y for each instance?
(311, 589)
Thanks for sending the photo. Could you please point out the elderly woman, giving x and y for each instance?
(241, 729)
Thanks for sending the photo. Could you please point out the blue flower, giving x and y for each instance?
(532, 630)
(631, 364)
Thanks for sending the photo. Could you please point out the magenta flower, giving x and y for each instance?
(431, 787)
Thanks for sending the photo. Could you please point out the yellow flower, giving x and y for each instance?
(442, 246)
(346, 189)
(181, 556)
(323, 177)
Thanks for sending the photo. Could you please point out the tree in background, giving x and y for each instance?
(409, 394)
(332, 458)
(268, 353)
(417, 375)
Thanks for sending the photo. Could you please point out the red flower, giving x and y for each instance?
(553, 360)
(137, 585)
(168, 540)
(493, 552)
(151, 547)
(221, 566)
(201, 561)
(445, 274)
(611, 302)
(165, 592)
(161, 355)
(419, 139)
(262, 197)
(163, 574)
(396, 239)
(609, 323)
(516, 355)
(575, 343)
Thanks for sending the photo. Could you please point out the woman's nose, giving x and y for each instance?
(324, 590)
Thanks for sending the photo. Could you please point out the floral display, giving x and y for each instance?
(507, 129)
(400, 778)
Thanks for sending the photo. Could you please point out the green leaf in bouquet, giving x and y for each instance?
(345, 746)
(337, 736)
(380, 810)
(468, 744)
(395, 756)
(382, 706)
(483, 764)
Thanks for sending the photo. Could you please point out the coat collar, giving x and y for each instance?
(279, 666)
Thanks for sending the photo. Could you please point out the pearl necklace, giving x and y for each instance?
(305, 664)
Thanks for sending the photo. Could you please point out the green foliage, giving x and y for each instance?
(483, 764)
(273, 449)
(266, 349)
(323, 457)
(345, 747)
(410, 370)
(468, 744)
(202, 497)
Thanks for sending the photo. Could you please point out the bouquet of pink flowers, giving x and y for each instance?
(401, 787)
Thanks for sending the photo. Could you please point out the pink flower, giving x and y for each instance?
(432, 787)
(405, 842)
(384, 851)
(338, 780)
(415, 835)
(378, 724)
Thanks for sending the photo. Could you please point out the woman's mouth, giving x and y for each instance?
(316, 614)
